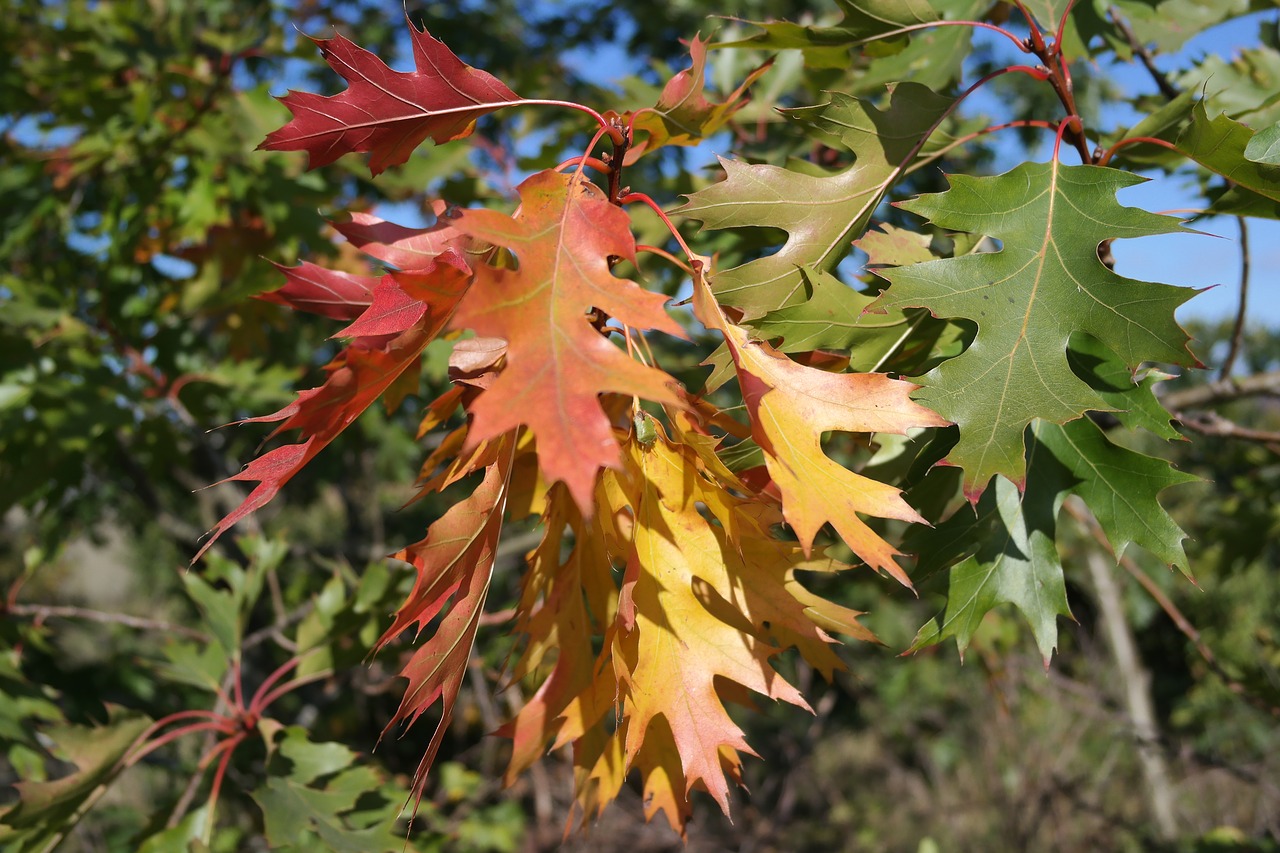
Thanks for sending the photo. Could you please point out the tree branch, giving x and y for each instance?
(51, 611)
(1183, 624)
(1223, 390)
(1163, 83)
(1237, 333)
(1211, 423)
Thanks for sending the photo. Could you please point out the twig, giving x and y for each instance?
(275, 629)
(50, 611)
(1162, 81)
(1237, 332)
(1223, 390)
(1183, 624)
(1212, 423)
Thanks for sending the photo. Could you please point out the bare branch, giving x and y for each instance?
(50, 611)
(1222, 391)
(1211, 423)
(1237, 333)
(1183, 624)
(1163, 83)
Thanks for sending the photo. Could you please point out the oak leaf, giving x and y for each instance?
(791, 406)
(683, 115)
(1045, 285)
(557, 361)
(388, 113)
(454, 565)
(357, 376)
(670, 648)
(820, 214)
(404, 248)
(329, 293)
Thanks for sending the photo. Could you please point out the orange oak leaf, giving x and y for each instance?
(388, 113)
(454, 565)
(683, 115)
(791, 406)
(557, 360)
(356, 377)
(556, 616)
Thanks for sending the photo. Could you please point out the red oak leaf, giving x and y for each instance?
(558, 362)
(329, 293)
(401, 247)
(388, 113)
(357, 377)
(454, 563)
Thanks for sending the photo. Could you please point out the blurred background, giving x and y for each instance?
(137, 220)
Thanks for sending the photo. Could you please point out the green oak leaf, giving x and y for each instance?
(889, 246)
(1221, 145)
(316, 790)
(1264, 147)
(1013, 560)
(832, 318)
(819, 213)
(1170, 24)
(1045, 285)
(1131, 397)
(1120, 486)
(863, 21)
(45, 810)
(1047, 12)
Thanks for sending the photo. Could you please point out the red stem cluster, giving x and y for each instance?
(235, 725)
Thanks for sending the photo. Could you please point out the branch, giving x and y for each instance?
(1223, 390)
(1183, 624)
(1237, 332)
(1163, 83)
(49, 611)
(1211, 423)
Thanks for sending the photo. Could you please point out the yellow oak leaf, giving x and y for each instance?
(791, 406)
(673, 642)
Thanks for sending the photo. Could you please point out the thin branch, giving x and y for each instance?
(1237, 332)
(1223, 390)
(1019, 43)
(1162, 81)
(50, 611)
(1183, 624)
(275, 631)
(1211, 423)
(1134, 140)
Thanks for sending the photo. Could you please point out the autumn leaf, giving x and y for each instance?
(406, 248)
(1045, 285)
(329, 293)
(670, 648)
(683, 115)
(388, 113)
(454, 565)
(557, 360)
(791, 406)
(356, 377)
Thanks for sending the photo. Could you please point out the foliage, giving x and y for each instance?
(685, 531)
